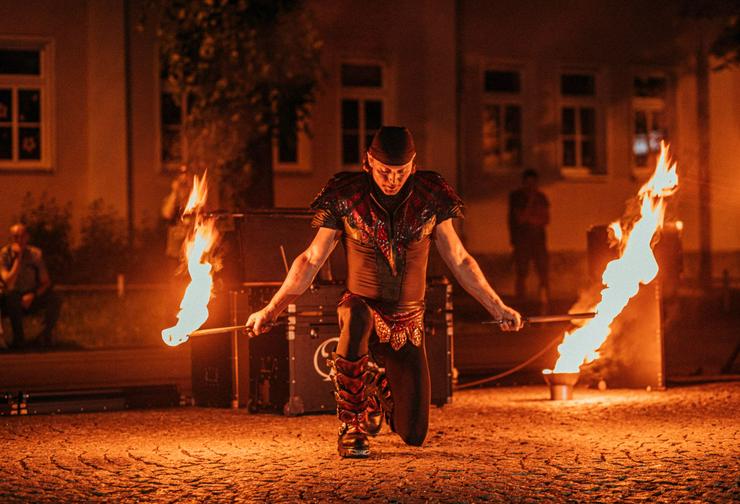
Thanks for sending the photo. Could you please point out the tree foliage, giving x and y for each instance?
(49, 225)
(246, 67)
(726, 46)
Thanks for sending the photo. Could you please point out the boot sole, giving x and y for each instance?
(353, 453)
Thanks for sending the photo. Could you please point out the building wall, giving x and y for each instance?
(416, 42)
(543, 38)
(150, 183)
(65, 23)
(725, 160)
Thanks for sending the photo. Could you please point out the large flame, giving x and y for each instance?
(194, 305)
(623, 276)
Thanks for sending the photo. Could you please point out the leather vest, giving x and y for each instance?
(387, 252)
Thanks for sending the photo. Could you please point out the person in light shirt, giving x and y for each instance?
(26, 287)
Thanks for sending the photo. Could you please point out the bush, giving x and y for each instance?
(49, 227)
(103, 249)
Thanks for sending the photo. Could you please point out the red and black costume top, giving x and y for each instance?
(387, 250)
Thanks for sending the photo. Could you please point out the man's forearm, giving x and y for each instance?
(299, 278)
(10, 276)
(472, 279)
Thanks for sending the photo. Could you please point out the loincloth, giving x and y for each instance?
(395, 325)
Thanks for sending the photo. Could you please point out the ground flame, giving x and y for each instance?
(194, 305)
(622, 277)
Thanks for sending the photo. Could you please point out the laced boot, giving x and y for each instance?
(349, 378)
(379, 403)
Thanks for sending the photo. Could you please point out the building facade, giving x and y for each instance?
(582, 91)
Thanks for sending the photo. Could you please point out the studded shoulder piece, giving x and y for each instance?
(441, 197)
(338, 197)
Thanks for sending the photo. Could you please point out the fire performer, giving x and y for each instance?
(386, 217)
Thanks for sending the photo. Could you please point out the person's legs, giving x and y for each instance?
(14, 311)
(407, 372)
(50, 303)
(521, 269)
(349, 373)
(542, 266)
(355, 326)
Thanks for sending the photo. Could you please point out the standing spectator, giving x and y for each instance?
(529, 215)
(26, 286)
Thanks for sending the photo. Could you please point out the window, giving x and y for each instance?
(502, 120)
(648, 119)
(362, 108)
(172, 115)
(579, 125)
(25, 121)
(291, 151)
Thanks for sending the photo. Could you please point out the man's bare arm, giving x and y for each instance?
(299, 278)
(9, 276)
(468, 273)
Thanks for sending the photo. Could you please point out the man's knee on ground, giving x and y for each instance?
(414, 437)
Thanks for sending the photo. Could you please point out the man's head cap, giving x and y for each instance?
(393, 145)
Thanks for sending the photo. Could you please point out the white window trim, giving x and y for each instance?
(583, 172)
(648, 104)
(45, 82)
(503, 99)
(360, 93)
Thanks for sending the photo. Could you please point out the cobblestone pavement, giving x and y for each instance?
(500, 445)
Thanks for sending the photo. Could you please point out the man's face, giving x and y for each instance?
(18, 237)
(390, 178)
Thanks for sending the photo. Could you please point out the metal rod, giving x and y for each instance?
(236, 328)
(217, 330)
(545, 319)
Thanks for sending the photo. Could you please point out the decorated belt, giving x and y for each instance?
(394, 326)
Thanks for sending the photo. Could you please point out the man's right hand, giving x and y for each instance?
(261, 321)
(17, 249)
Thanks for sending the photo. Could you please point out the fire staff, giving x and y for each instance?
(386, 216)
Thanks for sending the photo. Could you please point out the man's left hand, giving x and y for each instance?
(27, 300)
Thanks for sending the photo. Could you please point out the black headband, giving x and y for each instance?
(393, 145)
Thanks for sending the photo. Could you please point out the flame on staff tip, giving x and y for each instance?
(623, 276)
(194, 305)
(198, 195)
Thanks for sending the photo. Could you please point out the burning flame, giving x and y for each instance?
(616, 230)
(194, 305)
(198, 195)
(623, 276)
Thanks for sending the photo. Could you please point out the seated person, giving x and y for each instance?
(26, 286)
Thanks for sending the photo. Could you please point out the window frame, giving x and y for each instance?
(595, 102)
(503, 99)
(647, 104)
(363, 94)
(45, 83)
(169, 168)
(304, 150)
